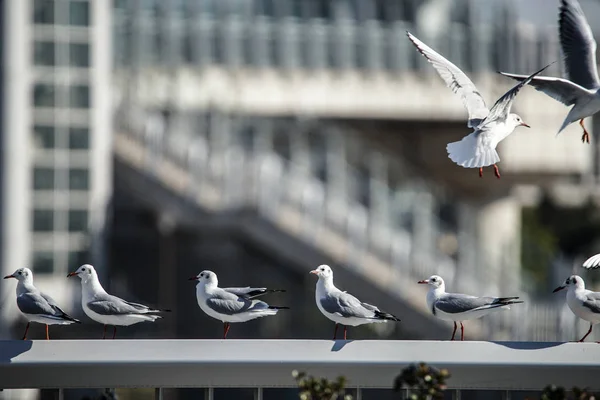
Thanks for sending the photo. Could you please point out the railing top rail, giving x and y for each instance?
(269, 363)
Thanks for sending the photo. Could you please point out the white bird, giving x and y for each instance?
(581, 88)
(341, 307)
(592, 262)
(458, 307)
(107, 309)
(37, 306)
(231, 305)
(490, 127)
(583, 303)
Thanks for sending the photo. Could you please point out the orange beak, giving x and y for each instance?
(10, 276)
(423, 282)
(70, 274)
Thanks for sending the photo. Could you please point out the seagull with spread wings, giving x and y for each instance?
(581, 88)
(478, 149)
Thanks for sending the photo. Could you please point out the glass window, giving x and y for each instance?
(43, 11)
(79, 54)
(43, 178)
(79, 138)
(78, 220)
(43, 262)
(79, 96)
(43, 95)
(79, 179)
(44, 53)
(43, 220)
(43, 136)
(79, 13)
(76, 259)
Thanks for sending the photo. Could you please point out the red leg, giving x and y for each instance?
(226, 327)
(47, 335)
(345, 329)
(454, 331)
(496, 171)
(481, 172)
(114, 331)
(585, 138)
(462, 332)
(104, 335)
(335, 332)
(586, 335)
(26, 329)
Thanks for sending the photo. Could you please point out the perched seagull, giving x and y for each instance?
(107, 309)
(231, 304)
(35, 305)
(580, 89)
(583, 303)
(490, 127)
(341, 307)
(592, 262)
(460, 307)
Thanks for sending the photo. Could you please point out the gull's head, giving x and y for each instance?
(206, 278)
(22, 275)
(517, 121)
(434, 281)
(85, 272)
(572, 282)
(323, 271)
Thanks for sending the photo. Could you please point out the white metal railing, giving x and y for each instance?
(264, 364)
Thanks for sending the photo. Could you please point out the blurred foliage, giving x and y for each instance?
(423, 382)
(558, 393)
(312, 388)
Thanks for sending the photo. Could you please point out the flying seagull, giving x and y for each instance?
(593, 262)
(583, 303)
(490, 126)
(107, 309)
(37, 306)
(231, 304)
(343, 308)
(580, 89)
(458, 307)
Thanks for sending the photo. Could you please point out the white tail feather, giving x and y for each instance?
(469, 153)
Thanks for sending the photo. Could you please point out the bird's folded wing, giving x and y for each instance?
(592, 302)
(453, 303)
(345, 305)
(115, 306)
(35, 303)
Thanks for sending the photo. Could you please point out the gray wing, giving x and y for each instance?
(559, 89)
(453, 303)
(592, 262)
(347, 306)
(578, 45)
(112, 305)
(227, 303)
(457, 81)
(592, 302)
(35, 303)
(502, 106)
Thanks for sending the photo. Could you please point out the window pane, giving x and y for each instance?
(79, 138)
(43, 53)
(79, 96)
(79, 13)
(43, 178)
(43, 11)
(43, 262)
(43, 137)
(79, 54)
(76, 259)
(43, 220)
(43, 95)
(78, 220)
(79, 179)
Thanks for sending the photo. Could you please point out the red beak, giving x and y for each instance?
(70, 274)
(193, 278)
(558, 289)
(314, 271)
(525, 125)
(10, 276)
(424, 281)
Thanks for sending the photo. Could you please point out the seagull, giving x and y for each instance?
(343, 308)
(37, 306)
(490, 127)
(231, 304)
(580, 89)
(460, 307)
(583, 303)
(107, 309)
(592, 262)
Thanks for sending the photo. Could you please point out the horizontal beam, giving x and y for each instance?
(269, 363)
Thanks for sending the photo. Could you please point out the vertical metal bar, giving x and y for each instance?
(358, 394)
(506, 395)
(456, 394)
(258, 394)
(158, 394)
(61, 394)
(209, 394)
